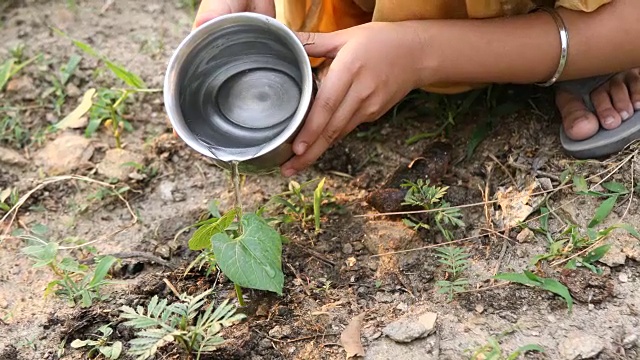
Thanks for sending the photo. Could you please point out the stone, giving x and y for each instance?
(525, 235)
(614, 257)
(12, 157)
(279, 332)
(64, 154)
(166, 190)
(385, 236)
(409, 328)
(545, 184)
(24, 86)
(347, 249)
(579, 345)
(630, 341)
(623, 277)
(112, 166)
(386, 349)
(630, 246)
(73, 91)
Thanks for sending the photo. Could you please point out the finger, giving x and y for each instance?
(211, 9)
(341, 119)
(330, 95)
(322, 45)
(263, 7)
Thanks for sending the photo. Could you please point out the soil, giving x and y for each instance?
(330, 277)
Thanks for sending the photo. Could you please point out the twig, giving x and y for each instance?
(502, 252)
(486, 288)
(626, 211)
(173, 288)
(139, 254)
(13, 212)
(317, 255)
(537, 172)
(504, 168)
(431, 246)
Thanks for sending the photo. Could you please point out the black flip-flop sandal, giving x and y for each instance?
(604, 142)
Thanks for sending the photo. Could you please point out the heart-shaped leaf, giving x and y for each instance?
(253, 259)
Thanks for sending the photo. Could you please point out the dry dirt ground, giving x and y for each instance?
(330, 278)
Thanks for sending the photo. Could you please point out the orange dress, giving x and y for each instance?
(332, 15)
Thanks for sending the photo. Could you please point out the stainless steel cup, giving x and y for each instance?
(238, 89)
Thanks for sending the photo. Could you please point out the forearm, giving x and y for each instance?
(526, 49)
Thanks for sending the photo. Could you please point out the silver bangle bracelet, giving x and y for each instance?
(564, 41)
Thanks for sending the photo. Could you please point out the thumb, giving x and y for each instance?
(322, 45)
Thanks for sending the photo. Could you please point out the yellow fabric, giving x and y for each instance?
(332, 15)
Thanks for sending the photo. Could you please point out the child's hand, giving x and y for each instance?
(374, 66)
(211, 9)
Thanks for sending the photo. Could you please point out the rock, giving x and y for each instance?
(408, 329)
(64, 154)
(629, 341)
(72, 90)
(385, 236)
(112, 166)
(386, 349)
(579, 345)
(166, 190)
(525, 235)
(12, 157)
(279, 332)
(630, 246)
(623, 277)
(347, 249)
(24, 86)
(545, 184)
(614, 257)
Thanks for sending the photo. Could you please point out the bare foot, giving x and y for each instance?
(615, 102)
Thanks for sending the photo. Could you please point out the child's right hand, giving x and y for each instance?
(211, 9)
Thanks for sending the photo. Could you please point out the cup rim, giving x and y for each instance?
(172, 88)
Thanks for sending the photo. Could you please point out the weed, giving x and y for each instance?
(493, 351)
(456, 262)
(8, 198)
(429, 197)
(109, 106)
(12, 131)
(298, 206)
(60, 80)
(101, 344)
(77, 283)
(574, 239)
(162, 323)
(531, 279)
(12, 66)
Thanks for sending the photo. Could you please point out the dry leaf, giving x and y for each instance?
(4, 195)
(350, 337)
(75, 119)
(515, 205)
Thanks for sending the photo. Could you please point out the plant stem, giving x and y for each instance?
(239, 295)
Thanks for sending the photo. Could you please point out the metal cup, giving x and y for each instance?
(238, 89)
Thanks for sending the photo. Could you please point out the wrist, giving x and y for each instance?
(425, 57)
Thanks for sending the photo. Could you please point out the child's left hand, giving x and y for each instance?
(374, 66)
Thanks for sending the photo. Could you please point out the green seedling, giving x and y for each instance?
(110, 104)
(456, 261)
(8, 198)
(12, 131)
(493, 351)
(100, 344)
(181, 322)
(449, 108)
(60, 80)
(297, 205)
(422, 194)
(531, 279)
(574, 239)
(12, 66)
(77, 283)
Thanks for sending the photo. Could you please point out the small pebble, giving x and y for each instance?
(629, 341)
(479, 309)
(347, 249)
(402, 307)
(623, 277)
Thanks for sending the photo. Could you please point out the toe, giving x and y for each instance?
(578, 122)
(620, 97)
(633, 85)
(608, 116)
